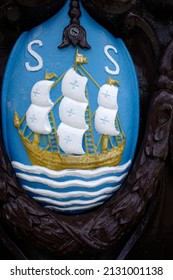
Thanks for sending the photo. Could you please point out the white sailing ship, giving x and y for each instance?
(71, 144)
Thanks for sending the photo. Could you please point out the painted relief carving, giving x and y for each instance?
(124, 210)
(35, 55)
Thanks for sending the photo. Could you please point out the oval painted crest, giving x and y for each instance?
(70, 115)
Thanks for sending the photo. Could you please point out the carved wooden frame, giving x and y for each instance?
(61, 235)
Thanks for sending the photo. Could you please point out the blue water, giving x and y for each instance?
(71, 190)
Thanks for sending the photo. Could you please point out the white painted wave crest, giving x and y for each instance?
(34, 169)
(71, 190)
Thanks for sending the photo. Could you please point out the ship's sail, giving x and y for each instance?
(41, 104)
(72, 113)
(70, 139)
(73, 86)
(106, 113)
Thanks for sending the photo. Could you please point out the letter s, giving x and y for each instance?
(35, 55)
(11, 271)
(117, 70)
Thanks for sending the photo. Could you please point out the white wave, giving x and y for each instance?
(70, 172)
(74, 208)
(71, 183)
(64, 195)
(72, 202)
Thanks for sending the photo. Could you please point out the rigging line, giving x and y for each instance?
(90, 125)
(80, 72)
(53, 120)
(47, 148)
(44, 140)
(58, 100)
(117, 140)
(99, 142)
(54, 85)
(22, 120)
(31, 133)
(57, 81)
(91, 78)
(24, 129)
(110, 139)
(120, 126)
(92, 116)
(53, 133)
(50, 144)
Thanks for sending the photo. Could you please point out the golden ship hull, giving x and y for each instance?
(57, 161)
